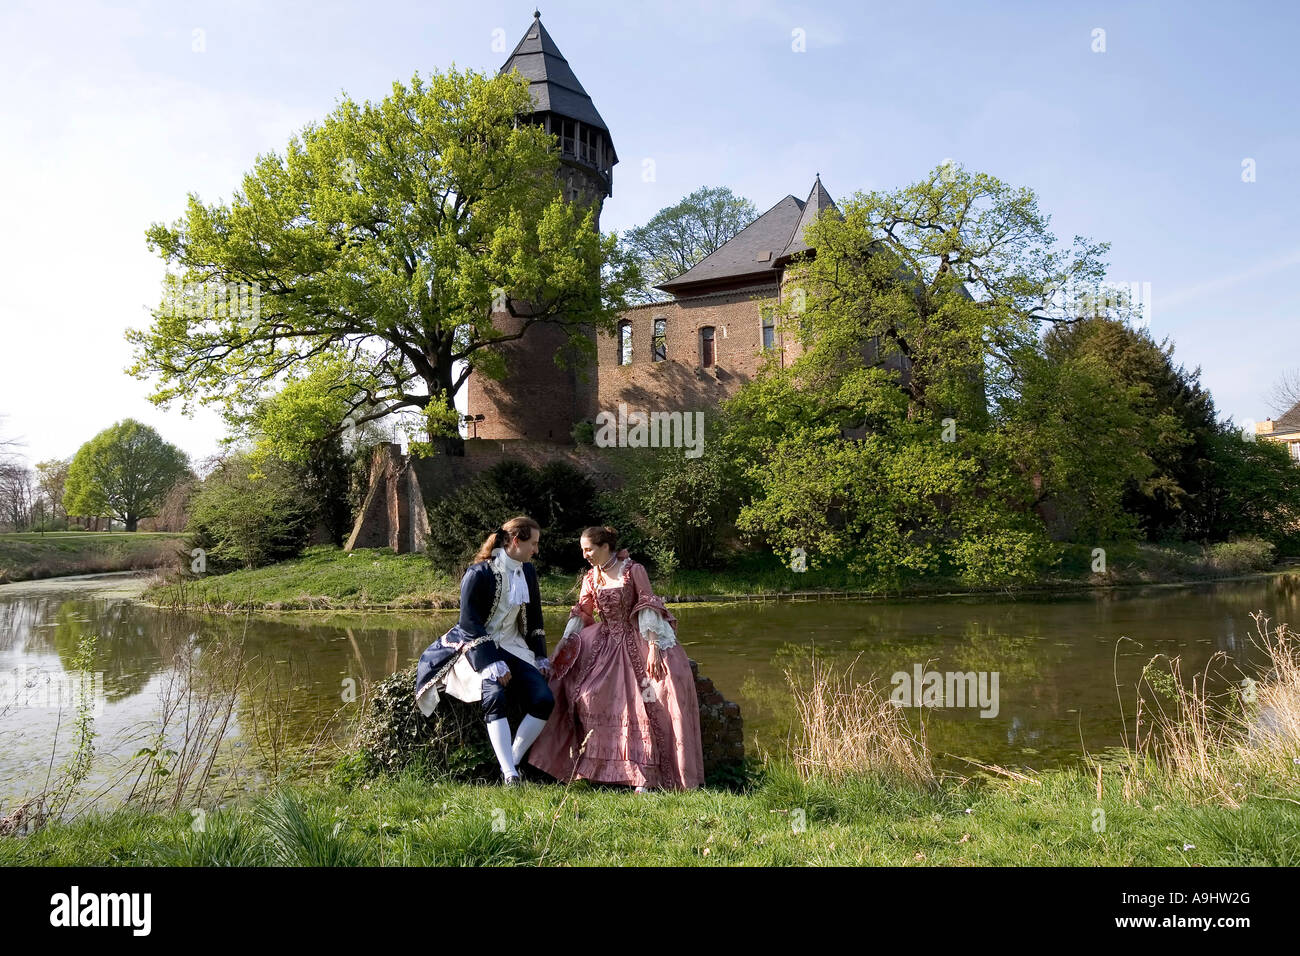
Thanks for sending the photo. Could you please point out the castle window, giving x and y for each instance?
(625, 343)
(566, 137)
(769, 330)
(707, 354)
(660, 342)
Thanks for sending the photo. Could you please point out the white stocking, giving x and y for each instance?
(529, 729)
(499, 734)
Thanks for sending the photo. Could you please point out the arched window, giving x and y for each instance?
(625, 343)
(707, 353)
(660, 340)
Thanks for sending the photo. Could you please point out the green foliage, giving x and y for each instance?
(125, 471)
(299, 426)
(1241, 556)
(1176, 421)
(677, 508)
(678, 237)
(247, 514)
(1076, 427)
(557, 496)
(898, 504)
(1254, 489)
(385, 237)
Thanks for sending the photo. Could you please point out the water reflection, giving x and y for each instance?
(1059, 662)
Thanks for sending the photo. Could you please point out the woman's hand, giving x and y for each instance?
(655, 665)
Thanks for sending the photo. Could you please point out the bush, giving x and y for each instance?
(558, 496)
(1239, 557)
(676, 509)
(246, 517)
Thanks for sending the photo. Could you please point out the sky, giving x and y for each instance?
(1170, 130)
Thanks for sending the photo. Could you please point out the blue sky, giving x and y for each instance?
(111, 115)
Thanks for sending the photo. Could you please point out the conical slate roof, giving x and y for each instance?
(552, 83)
(818, 200)
(755, 254)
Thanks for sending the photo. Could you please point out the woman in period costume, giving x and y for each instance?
(626, 708)
(498, 647)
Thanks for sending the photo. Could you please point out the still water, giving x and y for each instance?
(296, 679)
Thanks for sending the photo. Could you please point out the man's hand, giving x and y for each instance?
(544, 666)
(504, 679)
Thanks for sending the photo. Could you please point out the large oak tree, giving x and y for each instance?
(386, 236)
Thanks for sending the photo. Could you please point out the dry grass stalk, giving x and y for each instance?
(1210, 742)
(848, 728)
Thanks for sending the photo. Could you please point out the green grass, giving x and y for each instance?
(28, 555)
(410, 821)
(329, 578)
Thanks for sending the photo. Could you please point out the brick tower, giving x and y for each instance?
(537, 399)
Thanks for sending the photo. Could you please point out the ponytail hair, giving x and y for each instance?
(522, 527)
(602, 535)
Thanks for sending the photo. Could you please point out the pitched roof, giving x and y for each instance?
(752, 251)
(551, 81)
(757, 250)
(1290, 422)
(818, 201)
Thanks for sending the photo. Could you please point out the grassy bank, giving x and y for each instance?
(781, 819)
(329, 578)
(27, 556)
(1210, 781)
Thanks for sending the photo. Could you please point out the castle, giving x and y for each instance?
(686, 354)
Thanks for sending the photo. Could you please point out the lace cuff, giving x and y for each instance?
(494, 671)
(652, 626)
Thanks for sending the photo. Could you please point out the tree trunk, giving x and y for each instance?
(131, 522)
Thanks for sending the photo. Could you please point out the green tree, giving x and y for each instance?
(1254, 489)
(1083, 433)
(249, 513)
(678, 507)
(947, 278)
(1179, 420)
(887, 442)
(678, 237)
(389, 234)
(52, 478)
(123, 471)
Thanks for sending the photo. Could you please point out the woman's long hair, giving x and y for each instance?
(522, 527)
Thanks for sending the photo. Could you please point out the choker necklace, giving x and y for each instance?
(606, 566)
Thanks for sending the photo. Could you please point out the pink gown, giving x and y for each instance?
(600, 688)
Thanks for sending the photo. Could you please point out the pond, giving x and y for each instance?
(292, 680)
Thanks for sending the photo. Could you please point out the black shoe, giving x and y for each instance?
(513, 781)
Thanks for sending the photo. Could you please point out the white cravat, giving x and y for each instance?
(518, 593)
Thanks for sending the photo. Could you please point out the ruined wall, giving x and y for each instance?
(681, 382)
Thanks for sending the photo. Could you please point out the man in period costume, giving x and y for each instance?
(497, 650)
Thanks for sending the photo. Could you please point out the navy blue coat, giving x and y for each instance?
(480, 589)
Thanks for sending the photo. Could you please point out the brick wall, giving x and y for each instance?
(681, 382)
